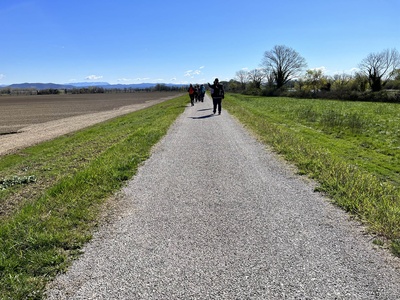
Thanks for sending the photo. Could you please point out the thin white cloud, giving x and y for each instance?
(173, 79)
(142, 79)
(323, 69)
(193, 73)
(354, 70)
(188, 73)
(93, 77)
(351, 71)
(2, 76)
(124, 79)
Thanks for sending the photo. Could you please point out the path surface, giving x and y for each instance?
(213, 215)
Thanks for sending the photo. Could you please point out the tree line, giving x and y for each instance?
(284, 72)
(90, 90)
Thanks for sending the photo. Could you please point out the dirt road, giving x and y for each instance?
(31, 120)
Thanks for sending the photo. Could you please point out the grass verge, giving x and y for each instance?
(45, 222)
(351, 149)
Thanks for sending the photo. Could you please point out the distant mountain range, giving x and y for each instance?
(106, 85)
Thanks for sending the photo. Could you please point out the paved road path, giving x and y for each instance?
(213, 215)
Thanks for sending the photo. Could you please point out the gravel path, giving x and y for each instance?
(214, 215)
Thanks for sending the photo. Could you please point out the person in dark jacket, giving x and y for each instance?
(191, 94)
(217, 94)
(196, 92)
(202, 92)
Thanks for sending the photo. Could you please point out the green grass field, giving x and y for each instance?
(352, 149)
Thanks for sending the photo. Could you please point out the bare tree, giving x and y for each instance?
(396, 74)
(380, 67)
(257, 76)
(242, 77)
(269, 78)
(284, 62)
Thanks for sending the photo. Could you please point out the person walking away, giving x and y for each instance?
(191, 94)
(202, 92)
(196, 93)
(217, 95)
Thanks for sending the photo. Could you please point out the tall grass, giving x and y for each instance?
(75, 175)
(351, 149)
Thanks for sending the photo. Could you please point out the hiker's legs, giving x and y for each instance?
(215, 102)
(219, 105)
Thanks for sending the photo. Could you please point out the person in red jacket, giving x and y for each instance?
(217, 94)
(191, 94)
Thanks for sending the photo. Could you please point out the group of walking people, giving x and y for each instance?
(196, 94)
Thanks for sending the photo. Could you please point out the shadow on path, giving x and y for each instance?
(202, 117)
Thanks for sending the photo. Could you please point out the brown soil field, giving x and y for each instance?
(27, 120)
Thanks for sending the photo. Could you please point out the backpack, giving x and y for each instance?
(219, 91)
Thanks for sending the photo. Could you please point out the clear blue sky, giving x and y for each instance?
(182, 41)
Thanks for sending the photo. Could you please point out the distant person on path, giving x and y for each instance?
(191, 94)
(202, 92)
(217, 94)
(196, 92)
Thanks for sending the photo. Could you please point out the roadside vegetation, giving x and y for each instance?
(352, 149)
(51, 195)
(284, 72)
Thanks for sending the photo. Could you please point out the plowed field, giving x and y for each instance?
(26, 120)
